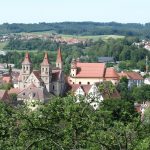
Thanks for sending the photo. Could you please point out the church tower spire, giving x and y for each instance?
(26, 67)
(46, 71)
(59, 62)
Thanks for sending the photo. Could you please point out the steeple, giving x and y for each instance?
(27, 59)
(59, 62)
(45, 60)
(26, 67)
(46, 72)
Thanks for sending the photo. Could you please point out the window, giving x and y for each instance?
(88, 82)
(72, 74)
(23, 93)
(33, 94)
(79, 82)
(27, 68)
(53, 87)
(46, 69)
(43, 69)
(73, 82)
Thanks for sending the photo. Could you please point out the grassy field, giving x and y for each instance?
(94, 37)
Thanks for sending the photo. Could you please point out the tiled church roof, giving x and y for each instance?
(45, 60)
(95, 70)
(27, 59)
(59, 56)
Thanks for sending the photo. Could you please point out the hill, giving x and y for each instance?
(81, 28)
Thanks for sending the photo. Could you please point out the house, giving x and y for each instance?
(147, 81)
(92, 94)
(90, 73)
(134, 78)
(89, 92)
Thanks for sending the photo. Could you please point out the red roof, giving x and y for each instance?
(14, 91)
(7, 79)
(85, 88)
(131, 75)
(45, 60)
(27, 59)
(59, 56)
(37, 74)
(95, 70)
(111, 73)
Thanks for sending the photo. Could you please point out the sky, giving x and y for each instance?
(34, 11)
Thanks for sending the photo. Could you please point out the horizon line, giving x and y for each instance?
(40, 22)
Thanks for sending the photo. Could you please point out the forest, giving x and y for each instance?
(81, 28)
(122, 50)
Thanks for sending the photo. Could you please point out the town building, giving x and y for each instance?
(90, 73)
(43, 81)
(92, 94)
(134, 78)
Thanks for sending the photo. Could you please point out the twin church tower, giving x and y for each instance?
(52, 79)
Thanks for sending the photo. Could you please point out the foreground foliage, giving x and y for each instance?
(63, 124)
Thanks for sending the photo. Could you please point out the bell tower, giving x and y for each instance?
(59, 62)
(26, 67)
(46, 72)
(73, 68)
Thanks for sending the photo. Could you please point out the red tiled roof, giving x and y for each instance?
(37, 74)
(111, 73)
(131, 75)
(27, 59)
(14, 91)
(59, 56)
(95, 70)
(38, 93)
(45, 60)
(85, 88)
(7, 79)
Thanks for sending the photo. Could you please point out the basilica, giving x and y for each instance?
(41, 82)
